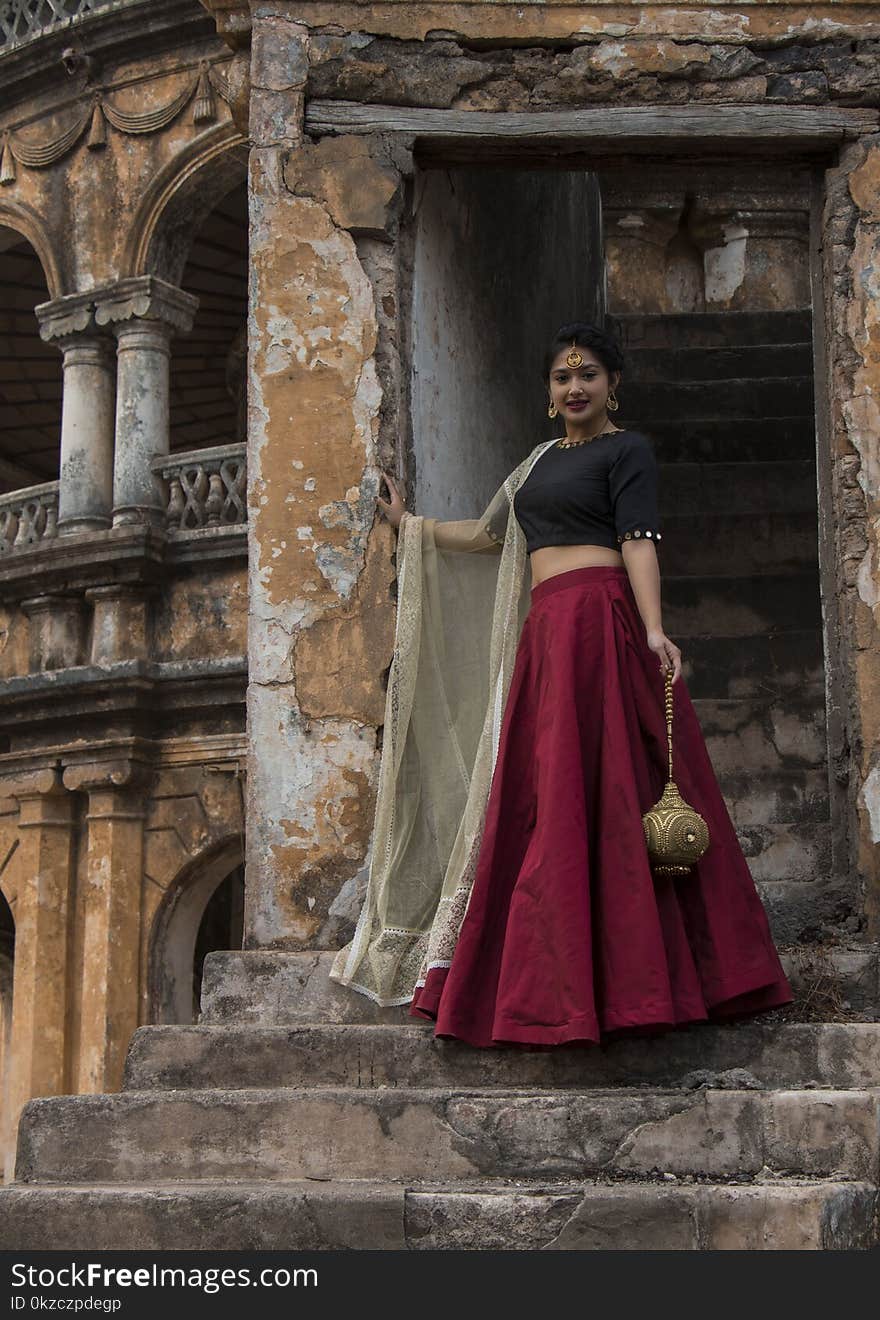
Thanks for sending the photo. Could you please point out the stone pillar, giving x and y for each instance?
(636, 241)
(87, 409)
(110, 989)
(119, 623)
(319, 557)
(56, 627)
(145, 312)
(44, 870)
(755, 258)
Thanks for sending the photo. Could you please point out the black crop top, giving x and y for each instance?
(603, 492)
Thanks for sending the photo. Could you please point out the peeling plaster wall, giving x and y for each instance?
(502, 259)
(314, 403)
(202, 614)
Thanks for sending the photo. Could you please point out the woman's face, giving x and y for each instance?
(580, 393)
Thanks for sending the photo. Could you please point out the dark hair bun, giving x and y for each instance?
(600, 342)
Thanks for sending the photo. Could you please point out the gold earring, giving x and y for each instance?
(552, 410)
(612, 403)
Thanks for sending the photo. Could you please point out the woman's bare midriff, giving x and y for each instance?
(555, 559)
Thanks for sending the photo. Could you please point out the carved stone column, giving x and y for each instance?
(109, 991)
(87, 411)
(145, 312)
(44, 870)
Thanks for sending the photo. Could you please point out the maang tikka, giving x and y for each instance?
(574, 358)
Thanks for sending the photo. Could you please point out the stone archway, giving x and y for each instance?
(7, 963)
(196, 917)
(30, 369)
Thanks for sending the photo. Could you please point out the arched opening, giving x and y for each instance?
(208, 365)
(203, 912)
(7, 964)
(221, 926)
(30, 371)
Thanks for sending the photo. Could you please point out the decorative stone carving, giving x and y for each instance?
(145, 297)
(206, 487)
(69, 315)
(22, 20)
(92, 119)
(28, 516)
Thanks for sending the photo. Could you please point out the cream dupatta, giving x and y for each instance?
(462, 597)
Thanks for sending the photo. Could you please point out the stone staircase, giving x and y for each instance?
(298, 1116)
(728, 400)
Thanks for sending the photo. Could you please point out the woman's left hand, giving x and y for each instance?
(668, 652)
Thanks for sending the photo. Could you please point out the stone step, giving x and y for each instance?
(717, 362)
(784, 796)
(289, 989)
(785, 852)
(777, 1056)
(767, 665)
(726, 440)
(769, 486)
(724, 606)
(773, 1215)
(738, 545)
(275, 988)
(762, 735)
(824, 910)
(447, 1133)
(711, 329)
(745, 400)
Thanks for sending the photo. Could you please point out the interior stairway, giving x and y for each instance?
(728, 400)
(297, 1116)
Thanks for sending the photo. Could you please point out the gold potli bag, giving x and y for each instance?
(676, 835)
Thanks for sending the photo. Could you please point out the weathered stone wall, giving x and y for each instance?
(706, 54)
(851, 506)
(139, 840)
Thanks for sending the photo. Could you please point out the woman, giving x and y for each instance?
(509, 856)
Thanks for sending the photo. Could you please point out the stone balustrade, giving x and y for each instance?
(22, 20)
(28, 516)
(205, 487)
(202, 488)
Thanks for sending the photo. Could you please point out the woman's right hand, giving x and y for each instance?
(393, 509)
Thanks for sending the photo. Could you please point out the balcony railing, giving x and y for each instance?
(22, 20)
(206, 487)
(203, 488)
(28, 515)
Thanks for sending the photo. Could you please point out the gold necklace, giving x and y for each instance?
(570, 444)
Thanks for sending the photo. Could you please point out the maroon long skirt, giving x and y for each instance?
(569, 935)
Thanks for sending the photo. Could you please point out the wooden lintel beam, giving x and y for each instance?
(621, 127)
